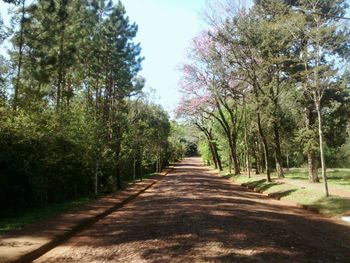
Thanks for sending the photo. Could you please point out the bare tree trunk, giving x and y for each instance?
(246, 137)
(157, 164)
(230, 163)
(278, 154)
(311, 156)
(60, 66)
(213, 154)
(118, 149)
(256, 157)
(320, 133)
(266, 149)
(20, 56)
(140, 163)
(96, 175)
(234, 156)
(218, 159)
(311, 159)
(134, 169)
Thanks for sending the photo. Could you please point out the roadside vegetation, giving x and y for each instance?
(268, 88)
(314, 199)
(75, 119)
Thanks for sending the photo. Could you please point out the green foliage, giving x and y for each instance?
(340, 157)
(204, 151)
(73, 121)
(284, 65)
(332, 206)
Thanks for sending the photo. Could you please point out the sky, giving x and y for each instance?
(166, 28)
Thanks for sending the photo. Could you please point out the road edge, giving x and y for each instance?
(32, 255)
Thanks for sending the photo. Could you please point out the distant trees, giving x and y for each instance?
(73, 118)
(262, 71)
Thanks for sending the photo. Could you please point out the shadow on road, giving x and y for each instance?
(192, 215)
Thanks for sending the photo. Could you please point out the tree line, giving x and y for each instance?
(268, 86)
(74, 119)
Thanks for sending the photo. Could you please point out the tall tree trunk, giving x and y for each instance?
(230, 163)
(278, 154)
(20, 57)
(257, 162)
(266, 149)
(117, 151)
(134, 169)
(320, 134)
(96, 174)
(140, 163)
(234, 156)
(311, 159)
(213, 155)
(311, 156)
(246, 137)
(256, 157)
(218, 159)
(60, 71)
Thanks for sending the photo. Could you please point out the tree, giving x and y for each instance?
(322, 40)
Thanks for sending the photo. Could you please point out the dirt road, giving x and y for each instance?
(194, 216)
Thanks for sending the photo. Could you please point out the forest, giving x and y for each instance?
(248, 161)
(268, 87)
(264, 89)
(74, 119)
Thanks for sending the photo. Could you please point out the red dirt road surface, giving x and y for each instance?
(193, 215)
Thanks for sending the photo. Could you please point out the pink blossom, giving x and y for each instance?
(203, 44)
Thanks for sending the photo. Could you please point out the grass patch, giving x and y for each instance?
(338, 177)
(17, 221)
(331, 206)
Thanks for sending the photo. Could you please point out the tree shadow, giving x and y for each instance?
(194, 216)
(280, 194)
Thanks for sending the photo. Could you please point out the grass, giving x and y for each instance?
(331, 206)
(17, 221)
(340, 178)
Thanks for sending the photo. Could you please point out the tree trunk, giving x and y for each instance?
(134, 169)
(118, 149)
(96, 175)
(213, 154)
(266, 149)
(140, 163)
(20, 56)
(320, 134)
(234, 156)
(218, 159)
(246, 137)
(311, 156)
(230, 163)
(311, 159)
(60, 66)
(278, 155)
(256, 157)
